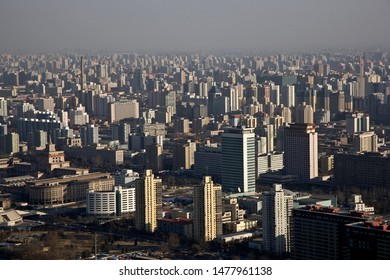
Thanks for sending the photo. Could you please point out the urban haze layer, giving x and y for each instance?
(194, 129)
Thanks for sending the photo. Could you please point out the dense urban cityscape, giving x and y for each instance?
(192, 156)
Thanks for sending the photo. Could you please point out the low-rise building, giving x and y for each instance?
(54, 191)
(116, 202)
(9, 218)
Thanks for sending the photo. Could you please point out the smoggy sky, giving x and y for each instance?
(181, 25)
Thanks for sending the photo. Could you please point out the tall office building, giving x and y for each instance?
(148, 202)
(277, 207)
(238, 159)
(207, 210)
(301, 151)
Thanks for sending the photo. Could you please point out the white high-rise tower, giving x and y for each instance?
(277, 207)
(238, 159)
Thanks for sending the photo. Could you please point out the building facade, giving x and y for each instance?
(207, 210)
(148, 202)
(276, 210)
(318, 233)
(116, 202)
(362, 170)
(301, 151)
(238, 159)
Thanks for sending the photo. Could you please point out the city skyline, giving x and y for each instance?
(219, 155)
(192, 26)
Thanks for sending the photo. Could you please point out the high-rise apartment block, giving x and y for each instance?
(277, 207)
(148, 202)
(207, 210)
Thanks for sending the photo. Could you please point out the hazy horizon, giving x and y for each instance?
(178, 25)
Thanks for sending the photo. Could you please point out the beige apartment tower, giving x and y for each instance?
(207, 210)
(148, 202)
